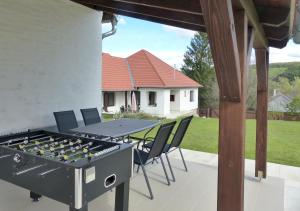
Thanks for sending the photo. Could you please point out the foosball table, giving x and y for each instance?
(70, 169)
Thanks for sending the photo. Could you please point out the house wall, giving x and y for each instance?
(185, 104)
(164, 107)
(49, 55)
(119, 101)
(162, 99)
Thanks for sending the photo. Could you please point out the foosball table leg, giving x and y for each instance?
(122, 197)
(34, 196)
(84, 208)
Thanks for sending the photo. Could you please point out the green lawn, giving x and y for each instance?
(283, 139)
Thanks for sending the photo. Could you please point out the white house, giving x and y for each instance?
(279, 102)
(159, 89)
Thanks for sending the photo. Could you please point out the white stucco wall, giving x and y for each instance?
(164, 107)
(119, 101)
(185, 104)
(49, 56)
(162, 99)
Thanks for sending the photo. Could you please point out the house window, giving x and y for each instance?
(172, 98)
(191, 96)
(152, 98)
(109, 99)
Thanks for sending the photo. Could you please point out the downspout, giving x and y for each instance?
(113, 21)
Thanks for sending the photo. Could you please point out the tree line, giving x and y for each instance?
(198, 65)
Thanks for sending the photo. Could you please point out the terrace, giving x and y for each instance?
(39, 46)
(280, 192)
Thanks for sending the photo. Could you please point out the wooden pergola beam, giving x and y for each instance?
(260, 38)
(262, 65)
(218, 16)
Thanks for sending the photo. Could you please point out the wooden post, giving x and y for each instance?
(262, 65)
(232, 136)
(228, 35)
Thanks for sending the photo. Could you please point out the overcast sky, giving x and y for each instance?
(168, 43)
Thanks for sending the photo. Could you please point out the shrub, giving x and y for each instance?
(294, 106)
(138, 115)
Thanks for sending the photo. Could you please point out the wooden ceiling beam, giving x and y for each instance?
(277, 33)
(274, 16)
(191, 7)
(273, 3)
(179, 19)
(278, 43)
(175, 23)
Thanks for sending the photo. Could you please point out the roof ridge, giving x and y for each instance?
(144, 52)
(132, 80)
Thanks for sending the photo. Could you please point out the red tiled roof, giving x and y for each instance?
(144, 70)
(150, 71)
(115, 74)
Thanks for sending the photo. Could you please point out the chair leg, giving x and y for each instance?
(163, 165)
(183, 159)
(171, 170)
(138, 169)
(147, 181)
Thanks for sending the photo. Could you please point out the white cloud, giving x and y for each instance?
(122, 21)
(106, 27)
(291, 53)
(179, 31)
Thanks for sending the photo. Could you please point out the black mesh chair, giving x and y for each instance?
(90, 116)
(142, 158)
(175, 143)
(65, 120)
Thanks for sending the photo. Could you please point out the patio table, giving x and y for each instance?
(117, 128)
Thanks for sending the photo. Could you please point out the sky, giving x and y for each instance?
(168, 43)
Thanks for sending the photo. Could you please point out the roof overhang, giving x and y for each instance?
(271, 19)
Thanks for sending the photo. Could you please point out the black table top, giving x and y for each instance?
(117, 128)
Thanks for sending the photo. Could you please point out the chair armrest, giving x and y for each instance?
(136, 138)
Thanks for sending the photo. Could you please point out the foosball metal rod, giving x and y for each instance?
(89, 150)
(79, 152)
(29, 169)
(62, 154)
(19, 143)
(63, 147)
(19, 139)
(34, 139)
(45, 145)
(45, 142)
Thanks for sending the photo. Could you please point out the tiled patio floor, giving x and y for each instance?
(193, 191)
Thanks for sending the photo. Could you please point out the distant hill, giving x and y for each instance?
(288, 70)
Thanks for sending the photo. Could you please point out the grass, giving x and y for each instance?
(283, 139)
